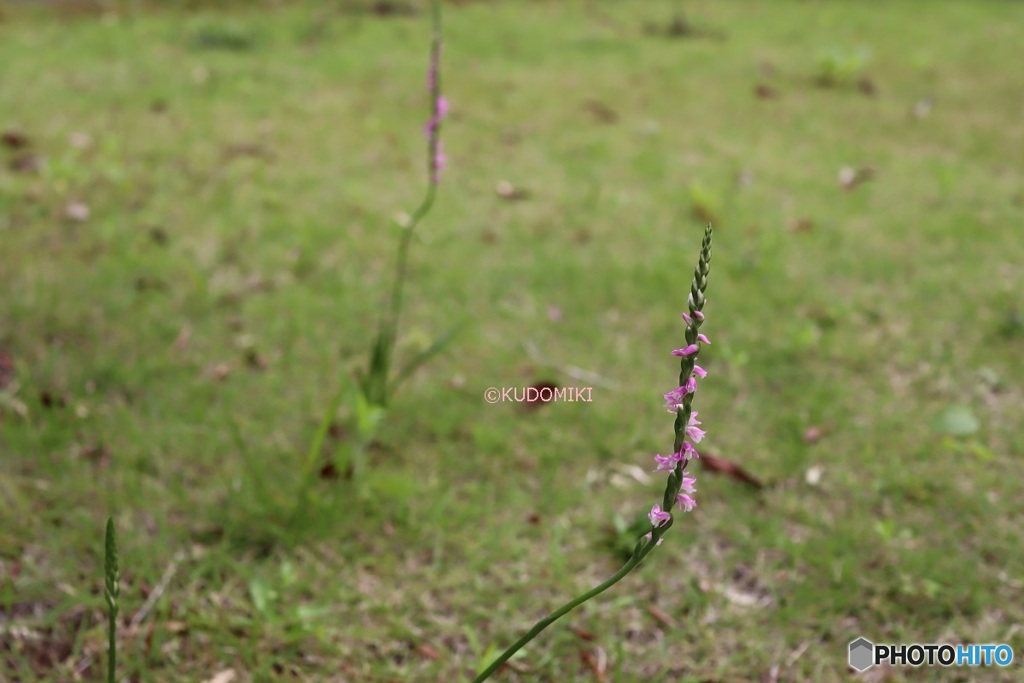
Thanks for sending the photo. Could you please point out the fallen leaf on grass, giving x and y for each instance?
(79, 140)
(507, 190)
(535, 394)
(850, 177)
(921, 108)
(329, 472)
(389, 8)
(14, 139)
(428, 652)
(225, 676)
(26, 163)
(661, 616)
(218, 372)
(6, 369)
(181, 341)
(96, 453)
(867, 87)
(718, 465)
(50, 400)
(601, 112)
(813, 434)
(801, 225)
(255, 360)
(76, 211)
(597, 660)
(583, 634)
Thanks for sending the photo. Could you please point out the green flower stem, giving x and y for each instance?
(401, 267)
(389, 326)
(674, 484)
(640, 552)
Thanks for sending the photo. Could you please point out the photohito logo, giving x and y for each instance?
(864, 654)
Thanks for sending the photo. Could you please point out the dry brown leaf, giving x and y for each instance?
(428, 651)
(26, 162)
(597, 660)
(225, 676)
(6, 369)
(181, 341)
(507, 190)
(218, 372)
(601, 112)
(76, 211)
(801, 225)
(14, 139)
(661, 616)
(730, 469)
(535, 393)
(583, 634)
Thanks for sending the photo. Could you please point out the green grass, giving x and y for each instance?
(242, 174)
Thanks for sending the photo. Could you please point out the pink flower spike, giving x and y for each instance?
(687, 318)
(701, 337)
(658, 516)
(699, 371)
(685, 502)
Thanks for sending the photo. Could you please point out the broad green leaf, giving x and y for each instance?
(956, 420)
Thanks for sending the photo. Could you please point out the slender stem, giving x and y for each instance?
(639, 554)
(112, 649)
(112, 590)
(402, 261)
(389, 325)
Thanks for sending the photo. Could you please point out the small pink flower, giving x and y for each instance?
(699, 315)
(701, 337)
(699, 371)
(658, 516)
(666, 463)
(687, 485)
(440, 158)
(687, 452)
(686, 351)
(691, 385)
(442, 106)
(688, 319)
(685, 502)
(674, 399)
(695, 434)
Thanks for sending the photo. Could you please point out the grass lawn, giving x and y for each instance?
(197, 230)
